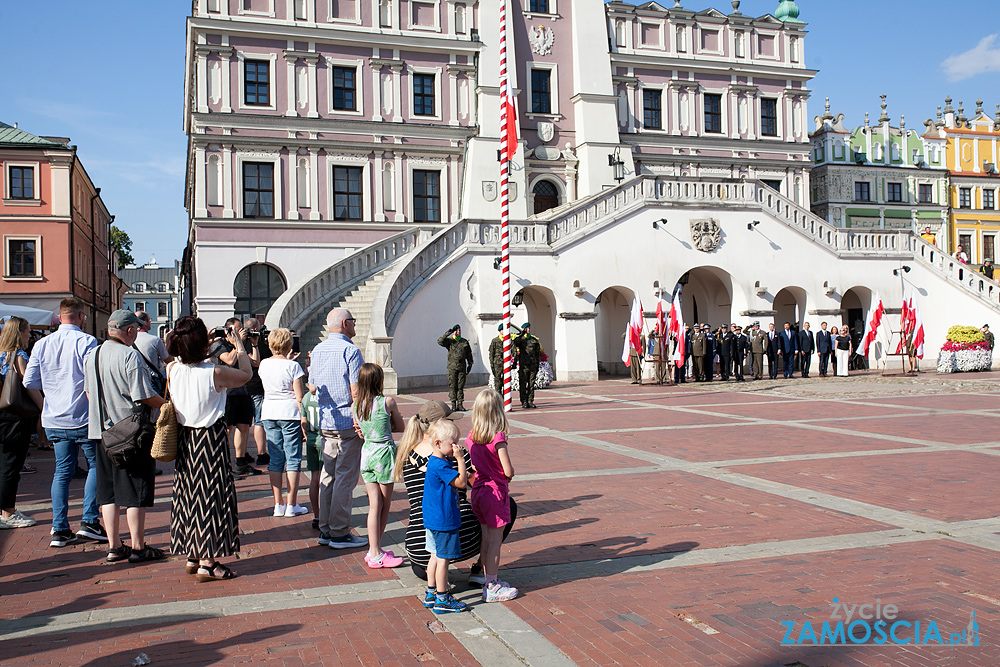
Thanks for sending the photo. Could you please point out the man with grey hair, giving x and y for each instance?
(333, 378)
(153, 350)
(118, 385)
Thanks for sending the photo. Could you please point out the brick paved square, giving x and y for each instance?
(951, 428)
(601, 418)
(533, 454)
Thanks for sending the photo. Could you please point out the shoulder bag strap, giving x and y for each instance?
(100, 388)
(148, 362)
(166, 389)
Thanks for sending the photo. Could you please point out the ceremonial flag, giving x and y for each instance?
(677, 327)
(918, 331)
(633, 334)
(872, 323)
(661, 323)
(508, 112)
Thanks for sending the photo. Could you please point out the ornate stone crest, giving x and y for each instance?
(706, 234)
(546, 131)
(489, 190)
(541, 39)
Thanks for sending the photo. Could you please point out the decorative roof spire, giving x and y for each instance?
(884, 118)
(940, 119)
(947, 105)
(787, 12)
(902, 124)
(827, 115)
(736, 6)
(866, 119)
(979, 107)
(960, 118)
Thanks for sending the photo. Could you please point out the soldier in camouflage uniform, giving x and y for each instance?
(528, 354)
(496, 360)
(459, 364)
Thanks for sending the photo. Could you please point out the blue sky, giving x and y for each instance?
(110, 76)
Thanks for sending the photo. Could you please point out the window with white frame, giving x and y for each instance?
(424, 94)
(138, 288)
(544, 93)
(258, 190)
(256, 82)
(344, 88)
(424, 14)
(713, 112)
(385, 13)
(139, 305)
(162, 287)
(256, 7)
(344, 10)
(989, 199)
(22, 257)
(347, 193)
(21, 183)
(426, 195)
(652, 109)
(161, 309)
(301, 11)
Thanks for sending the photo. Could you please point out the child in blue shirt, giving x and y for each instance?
(441, 515)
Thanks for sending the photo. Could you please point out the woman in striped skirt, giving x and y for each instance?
(203, 521)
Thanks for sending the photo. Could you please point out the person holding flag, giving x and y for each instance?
(677, 335)
(634, 343)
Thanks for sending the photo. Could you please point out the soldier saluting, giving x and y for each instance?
(528, 354)
(459, 365)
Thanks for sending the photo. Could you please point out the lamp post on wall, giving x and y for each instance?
(617, 164)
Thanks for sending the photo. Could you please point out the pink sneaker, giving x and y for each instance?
(385, 559)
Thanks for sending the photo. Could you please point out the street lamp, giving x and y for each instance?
(615, 162)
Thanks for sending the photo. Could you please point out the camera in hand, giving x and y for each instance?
(295, 344)
(220, 332)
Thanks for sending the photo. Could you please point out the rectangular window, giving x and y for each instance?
(423, 94)
(651, 106)
(541, 91)
(713, 113)
(258, 190)
(22, 182)
(161, 309)
(773, 184)
(426, 196)
(965, 197)
(989, 247)
(989, 199)
(347, 193)
(139, 305)
(965, 240)
(539, 6)
(22, 258)
(895, 192)
(925, 193)
(344, 89)
(769, 117)
(257, 82)
(862, 191)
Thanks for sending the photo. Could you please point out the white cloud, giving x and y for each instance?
(984, 57)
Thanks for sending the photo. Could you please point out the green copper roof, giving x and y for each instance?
(787, 12)
(11, 136)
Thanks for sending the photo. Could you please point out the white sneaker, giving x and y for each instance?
(4, 525)
(18, 520)
(279, 510)
(294, 510)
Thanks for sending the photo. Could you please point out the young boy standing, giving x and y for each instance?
(441, 514)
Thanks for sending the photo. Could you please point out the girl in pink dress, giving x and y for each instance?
(487, 445)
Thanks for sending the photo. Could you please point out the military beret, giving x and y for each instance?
(526, 325)
(500, 328)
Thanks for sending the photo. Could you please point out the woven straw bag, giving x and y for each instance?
(165, 441)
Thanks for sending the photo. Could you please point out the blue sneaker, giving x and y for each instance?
(429, 598)
(448, 605)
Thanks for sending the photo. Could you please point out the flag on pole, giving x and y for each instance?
(633, 334)
(661, 323)
(872, 323)
(677, 327)
(918, 330)
(509, 113)
(907, 323)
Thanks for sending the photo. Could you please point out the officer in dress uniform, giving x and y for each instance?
(709, 352)
(725, 352)
(698, 346)
(740, 346)
(759, 344)
(459, 365)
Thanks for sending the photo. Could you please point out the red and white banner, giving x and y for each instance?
(876, 315)
(677, 327)
(633, 334)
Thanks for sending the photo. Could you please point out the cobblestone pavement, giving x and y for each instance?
(705, 524)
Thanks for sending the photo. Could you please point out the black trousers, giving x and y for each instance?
(15, 434)
(805, 361)
(738, 368)
(725, 364)
(772, 365)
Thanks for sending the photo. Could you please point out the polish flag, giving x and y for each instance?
(509, 105)
(633, 334)
(872, 323)
(661, 323)
(677, 327)
(918, 331)
(907, 322)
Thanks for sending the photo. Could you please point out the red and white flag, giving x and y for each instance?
(677, 327)
(918, 330)
(509, 110)
(661, 323)
(633, 334)
(907, 322)
(874, 320)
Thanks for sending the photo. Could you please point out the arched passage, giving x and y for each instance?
(538, 307)
(854, 305)
(613, 307)
(790, 306)
(256, 288)
(707, 296)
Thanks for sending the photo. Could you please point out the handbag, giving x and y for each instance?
(165, 439)
(13, 396)
(127, 442)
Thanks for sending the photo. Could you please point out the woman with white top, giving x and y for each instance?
(284, 423)
(203, 521)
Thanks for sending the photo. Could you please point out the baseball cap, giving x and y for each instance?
(122, 318)
(431, 411)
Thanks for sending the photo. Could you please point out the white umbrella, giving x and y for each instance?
(35, 316)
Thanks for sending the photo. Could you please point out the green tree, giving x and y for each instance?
(122, 244)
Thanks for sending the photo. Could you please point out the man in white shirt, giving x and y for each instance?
(56, 368)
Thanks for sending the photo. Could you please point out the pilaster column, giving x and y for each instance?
(201, 103)
(293, 183)
(227, 181)
(311, 75)
(226, 58)
(632, 103)
(397, 86)
(200, 203)
(290, 83)
(314, 184)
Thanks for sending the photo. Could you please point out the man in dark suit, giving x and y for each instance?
(739, 349)
(788, 348)
(725, 352)
(710, 350)
(807, 345)
(824, 346)
(773, 347)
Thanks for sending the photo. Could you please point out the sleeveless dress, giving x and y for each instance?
(378, 453)
(489, 492)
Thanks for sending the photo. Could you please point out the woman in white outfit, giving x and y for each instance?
(844, 347)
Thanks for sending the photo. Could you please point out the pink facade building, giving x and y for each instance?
(55, 229)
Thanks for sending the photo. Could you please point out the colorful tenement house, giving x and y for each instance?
(157, 290)
(55, 229)
(972, 159)
(879, 176)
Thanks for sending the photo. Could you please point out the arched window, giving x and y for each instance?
(546, 196)
(256, 288)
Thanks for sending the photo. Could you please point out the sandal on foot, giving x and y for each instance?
(212, 572)
(192, 565)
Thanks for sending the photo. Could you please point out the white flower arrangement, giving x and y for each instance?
(964, 361)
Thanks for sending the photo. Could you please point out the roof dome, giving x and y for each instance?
(787, 11)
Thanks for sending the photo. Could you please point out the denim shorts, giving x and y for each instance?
(284, 444)
(258, 403)
(443, 543)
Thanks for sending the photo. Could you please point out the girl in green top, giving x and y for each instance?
(377, 418)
